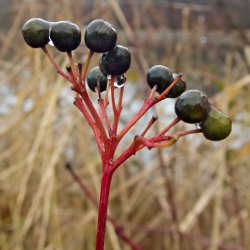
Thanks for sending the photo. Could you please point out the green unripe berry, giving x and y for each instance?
(177, 89)
(96, 78)
(160, 76)
(36, 32)
(116, 61)
(100, 36)
(192, 106)
(66, 36)
(217, 126)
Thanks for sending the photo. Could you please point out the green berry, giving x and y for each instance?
(36, 32)
(96, 77)
(66, 36)
(160, 76)
(177, 89)
(116, 61)
(192, 106)
(100, 36)
(217, 126)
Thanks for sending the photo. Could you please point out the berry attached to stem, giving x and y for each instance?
(96, 79)
(192, 106)
(160, 76)
(66, 36)
(116, 62)
(100, 36)
(36, 32)
(217, 126)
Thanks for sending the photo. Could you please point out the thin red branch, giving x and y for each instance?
(56, 66)
(112, 87)
(80, 105)
(152, 92)
(169, 126)
(188, 132)
(150, 124)
(72, 64)
(86, 66)
(148, 103)
(103, 115)
(83, 93)
(119, 110)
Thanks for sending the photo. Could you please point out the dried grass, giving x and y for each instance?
(40, 205)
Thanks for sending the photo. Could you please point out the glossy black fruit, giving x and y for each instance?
(120, 80)
(177, 89)
(160, 76)
(36, 32)
(192, 106)
(95, 77)
(100, 36)
(115, 62)
(217, 126)
(66, 36)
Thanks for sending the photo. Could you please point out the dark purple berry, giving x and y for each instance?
(160, 76)
(192, 106)
(96, 78)
(100, 36)
(66, 36)
(116, 62)
(36, 32)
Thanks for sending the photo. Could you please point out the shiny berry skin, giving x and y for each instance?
(160, 76)
(177, 89)
(95, 75)
(36, 32)
(121, 80)
(116, 62)
(66, 36)
(217, 126)
(192, 106)
(100, 36)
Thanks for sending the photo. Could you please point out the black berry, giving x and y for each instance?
(160, 76)
(96, 78)
(100, 36)
(36, 32)
(116, 61)
(217, 126)
(120, 80)
(192, 106)
(177, 89)
(66, 36)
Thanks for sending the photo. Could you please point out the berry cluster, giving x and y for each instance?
(192, 106)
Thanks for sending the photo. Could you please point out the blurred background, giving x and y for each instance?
(192, 196)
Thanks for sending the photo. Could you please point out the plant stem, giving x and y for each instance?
(103, 205)
(118, 227)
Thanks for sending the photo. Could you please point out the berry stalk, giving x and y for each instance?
(103, 205)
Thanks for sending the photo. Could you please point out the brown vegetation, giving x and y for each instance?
(193, 196)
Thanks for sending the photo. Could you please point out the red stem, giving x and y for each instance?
(80, 105)
(118, 228)
(118, 113)
(103, 114)
(56, 66)
(103, 206)
(148, 103)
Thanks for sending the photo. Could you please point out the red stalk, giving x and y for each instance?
(103, 205)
